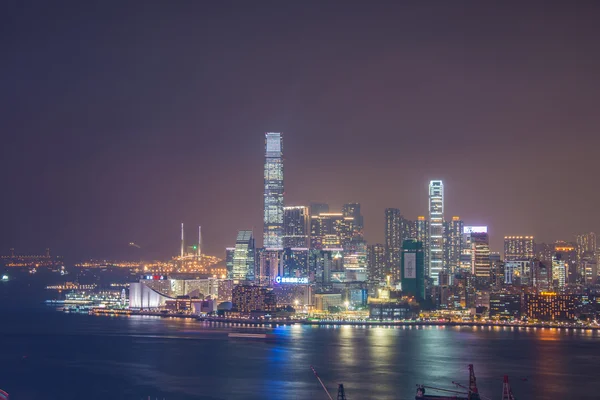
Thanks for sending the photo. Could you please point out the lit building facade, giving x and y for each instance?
(436, 230)
(248, 298)
(376, 262)
(453, 242)
(477, 244)
(422, 235)
(330, 231)
(559, 271)
(551, 306)
(295, 227)
(505, 306)
(273, 195)
(352, 210)
(393, 242)
(518, 248)
(244, 256)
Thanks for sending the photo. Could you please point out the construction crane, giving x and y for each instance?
(321, 382)
(506, 391)
(341, 392)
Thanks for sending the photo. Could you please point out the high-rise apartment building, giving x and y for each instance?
(376, 262)
(295, 227)
(352, 210)
(453, 238)
(422, 235)
(393, 242)
(436, 230)
(243, 257)
(518, 248)
(273, 195)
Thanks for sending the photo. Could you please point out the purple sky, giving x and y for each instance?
(121, 119)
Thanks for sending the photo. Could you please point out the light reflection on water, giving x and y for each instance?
(185, 359)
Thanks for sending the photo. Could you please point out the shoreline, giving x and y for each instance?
(248, 322)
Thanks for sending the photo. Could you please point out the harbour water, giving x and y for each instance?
(51, 355)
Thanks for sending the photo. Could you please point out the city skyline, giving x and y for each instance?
(100, 154)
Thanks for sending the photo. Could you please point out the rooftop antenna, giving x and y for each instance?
(182, 240)
(199, 241)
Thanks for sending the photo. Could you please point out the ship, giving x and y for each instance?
(3, 395)
(471, 394)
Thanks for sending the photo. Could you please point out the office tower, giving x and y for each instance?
(568, 254)
(295, 227)
(330, 231)
(273, 196)
(586, 251)
(229, 252)
(477, 245)
(541, 278)
(318, 208)
(453, 237)
(413, 268)
(422, 235)
(518, 248)
(321, 263)
(243, 257)
(497, 274)
(559, 271)
(436, 230)
(270, 266)
(589, 266)
(393, 242)
(376, 262)
(295, 262)
(544, 252)
(352, 210)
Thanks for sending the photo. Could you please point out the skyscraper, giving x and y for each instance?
(413, 268)
(243, 257)
(477, 244)
(376, 262)
(518, 248)
(295, 227)
(273, 196)
(318, 208)
(453, 238)
(353, 210)
(393, 242)
(330, 231)
(422, 235)
(436, 230)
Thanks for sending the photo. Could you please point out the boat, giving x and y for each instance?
(3, 395)
(239, 335)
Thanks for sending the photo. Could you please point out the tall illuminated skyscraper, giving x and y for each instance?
(273, 196)
(436, 230)
(393, 242)
(453, 237)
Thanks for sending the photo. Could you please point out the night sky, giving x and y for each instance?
(120, 119)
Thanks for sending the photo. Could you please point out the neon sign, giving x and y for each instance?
(285, 279)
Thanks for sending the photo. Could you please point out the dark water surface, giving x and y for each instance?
(50, 355)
